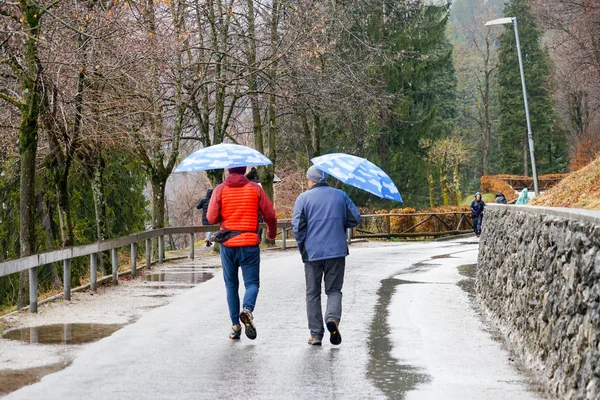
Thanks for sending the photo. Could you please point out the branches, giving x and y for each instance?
(12, 100)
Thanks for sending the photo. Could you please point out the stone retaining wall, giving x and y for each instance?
(539, 277)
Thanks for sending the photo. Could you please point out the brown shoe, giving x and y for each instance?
(314, 341)
(236, 332)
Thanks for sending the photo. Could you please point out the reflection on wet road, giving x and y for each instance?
(391, 376)
(63, 333)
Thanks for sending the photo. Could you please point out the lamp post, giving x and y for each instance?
(513, 20)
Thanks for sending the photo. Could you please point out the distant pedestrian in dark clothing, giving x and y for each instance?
(203, 204)
(321, 216)
(252, 175)
(477, 207)
(500, 198)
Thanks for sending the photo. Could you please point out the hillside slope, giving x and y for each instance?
(581, 189)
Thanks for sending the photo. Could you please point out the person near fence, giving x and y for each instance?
(320, 219)
(235, 204)
(203, 204)
(500, 198)
(477, 207)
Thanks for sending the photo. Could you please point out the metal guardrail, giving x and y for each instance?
(443, 224)
(65, 255)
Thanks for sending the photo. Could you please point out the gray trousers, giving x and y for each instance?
(333, 271)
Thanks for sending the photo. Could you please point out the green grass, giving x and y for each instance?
(487, 198)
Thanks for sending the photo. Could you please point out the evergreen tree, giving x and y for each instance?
(422, 84)
(548, 136)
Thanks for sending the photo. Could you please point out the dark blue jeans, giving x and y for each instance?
(477, 221)
(248, 258)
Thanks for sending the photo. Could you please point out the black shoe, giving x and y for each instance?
(207, 243)
(248, 321)
(335, 336)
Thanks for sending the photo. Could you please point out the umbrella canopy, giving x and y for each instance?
(360, 173)
(222, 156)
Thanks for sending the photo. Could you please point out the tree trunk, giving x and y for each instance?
(431, 182)
(48, 225)
(64, 210)
(456, 174)
(272, 115)
(158, 202)
(444, 183)
(252, 85)
(28, 138)
(99, 194)
(316, 137)
(158, 209)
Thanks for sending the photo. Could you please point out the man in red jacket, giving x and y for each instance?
(235, 204)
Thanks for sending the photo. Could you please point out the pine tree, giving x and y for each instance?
(547, 133)
(422, 83)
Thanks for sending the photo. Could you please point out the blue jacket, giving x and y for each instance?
(321, 216)
(477, 208)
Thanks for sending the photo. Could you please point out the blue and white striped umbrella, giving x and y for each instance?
(360, 173)
(222, 156)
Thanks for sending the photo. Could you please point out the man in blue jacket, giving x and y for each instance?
(321, 216)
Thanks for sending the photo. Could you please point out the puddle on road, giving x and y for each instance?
(417, 267)
(192, 278)
(468, 285)
(63, 333)
(387, 373)
(468, 270)
(11, 380)
(442, 256)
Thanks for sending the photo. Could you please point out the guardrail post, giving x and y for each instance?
(93, 271)
(115, 266)
(33, 306)
(349, 235)
(192, 246)
(161, 248)
(148, 255)
(67, 279)
(133, 259)
(283, 238)
(388, 221)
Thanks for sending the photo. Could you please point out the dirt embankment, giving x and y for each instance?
(581, 189)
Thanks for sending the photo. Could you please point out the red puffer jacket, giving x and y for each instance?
(235, 204)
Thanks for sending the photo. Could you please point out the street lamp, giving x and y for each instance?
(513, 20)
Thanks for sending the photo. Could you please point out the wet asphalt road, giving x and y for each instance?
(400, 340)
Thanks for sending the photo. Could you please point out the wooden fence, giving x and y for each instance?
(519, 183)
(66, 255)
(414, 225)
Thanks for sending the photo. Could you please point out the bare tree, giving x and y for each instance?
(574, 40)
(19, 53)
